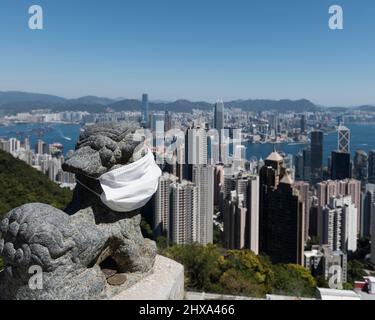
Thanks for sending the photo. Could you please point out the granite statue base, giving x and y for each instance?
(166, 282)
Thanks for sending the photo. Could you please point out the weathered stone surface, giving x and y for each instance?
(70, 245)
(165, 283)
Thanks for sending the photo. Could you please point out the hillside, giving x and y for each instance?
(246, 105)
(21, 184)
(366, 108)
(239, 272)
(12, 102)
(19, 96)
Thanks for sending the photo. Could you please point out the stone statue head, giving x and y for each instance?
(102, 148)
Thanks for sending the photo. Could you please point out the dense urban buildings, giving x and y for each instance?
(217, 192)
(44, 157)
(241, 211)
(317, 156)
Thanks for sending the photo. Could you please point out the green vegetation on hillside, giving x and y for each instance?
(21, 184)
(239, 272)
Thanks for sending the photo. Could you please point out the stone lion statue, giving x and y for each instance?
(71, 246)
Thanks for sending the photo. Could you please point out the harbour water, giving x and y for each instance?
(362, 137)
(66, 134)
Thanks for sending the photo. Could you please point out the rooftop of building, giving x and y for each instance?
(281, 297)
(275, 156)
(335, 294)
(287, 179)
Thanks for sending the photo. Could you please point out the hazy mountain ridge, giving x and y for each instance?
(17, 101)
(8, 97)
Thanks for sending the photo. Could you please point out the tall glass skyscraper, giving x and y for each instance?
(316, 156)
(145, 109)
(219, 126)
(219, 116)
(371, 167)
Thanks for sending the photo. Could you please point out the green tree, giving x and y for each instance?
(201, 264)
(162, 243)
(321, 282)
(217, 236)
(146, 229)
(291, 279)
(356, 271)
(245, 274)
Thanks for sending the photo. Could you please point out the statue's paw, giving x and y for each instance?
(35, 234)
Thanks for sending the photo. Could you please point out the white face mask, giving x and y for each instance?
(131, 186)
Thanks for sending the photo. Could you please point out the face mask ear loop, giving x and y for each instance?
(89, 189)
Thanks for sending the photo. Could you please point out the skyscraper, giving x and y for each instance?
(184, 213)
(373, 235)
(341, 166)
(316, 156)
(367, 211)
(219, 126)
(145, 109)
(241, 212)
(343, 139)
(162, 205)
(361, 166)
(340, 224)
(218, 183)
(219, 116)
(281, 213)
(306, 164)
(203, 177)
(195, 150)
(286, 224)
(270, 175)
(303, 123)
(167, 121)
(371, 167)
(330, 188)
(305, 195)
(298, 160)
(41, 147)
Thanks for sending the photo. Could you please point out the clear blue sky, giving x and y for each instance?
(194, 49)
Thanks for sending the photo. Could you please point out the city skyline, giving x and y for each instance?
(254, 49)
(187, 149)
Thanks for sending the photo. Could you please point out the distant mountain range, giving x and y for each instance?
(17, 101)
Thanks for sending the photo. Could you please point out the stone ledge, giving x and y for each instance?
(165, 283)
